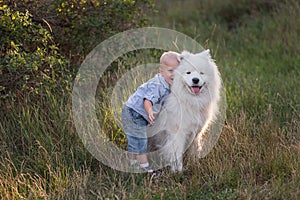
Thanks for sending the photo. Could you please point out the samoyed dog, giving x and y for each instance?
(188, 111)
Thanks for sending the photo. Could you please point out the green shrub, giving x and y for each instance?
(40, 40)
(79, 25)
(29, 59)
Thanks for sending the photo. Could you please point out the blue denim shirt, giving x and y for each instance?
(155, 90)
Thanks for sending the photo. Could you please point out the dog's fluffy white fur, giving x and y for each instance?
(188, 110)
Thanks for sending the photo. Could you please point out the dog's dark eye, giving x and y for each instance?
(201, 73)
(188, 72)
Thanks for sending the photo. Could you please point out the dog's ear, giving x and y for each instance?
(205, 53)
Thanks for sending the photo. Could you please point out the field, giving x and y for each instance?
(256, 47)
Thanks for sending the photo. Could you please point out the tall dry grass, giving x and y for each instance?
(256, 157)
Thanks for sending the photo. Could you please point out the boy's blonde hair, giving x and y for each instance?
(168, 55)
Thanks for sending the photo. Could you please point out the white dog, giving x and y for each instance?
(188, 110)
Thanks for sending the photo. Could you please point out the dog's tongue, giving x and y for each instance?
(195, 89)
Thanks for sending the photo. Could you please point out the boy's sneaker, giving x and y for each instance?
(156, 174)
(148, 169)
(153, 173)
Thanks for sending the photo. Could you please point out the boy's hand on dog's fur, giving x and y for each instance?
(150, 112)
(151, 116)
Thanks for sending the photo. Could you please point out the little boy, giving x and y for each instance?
(138, 111)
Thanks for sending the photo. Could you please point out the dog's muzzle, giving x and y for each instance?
(196, 88)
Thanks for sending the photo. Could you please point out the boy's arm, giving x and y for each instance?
(149, 111)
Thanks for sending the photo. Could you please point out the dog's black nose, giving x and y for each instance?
(195, 80)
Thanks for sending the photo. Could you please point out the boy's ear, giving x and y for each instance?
(160, 69)
(183, 55)
(179, 58)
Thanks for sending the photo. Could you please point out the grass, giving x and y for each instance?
(256, 157)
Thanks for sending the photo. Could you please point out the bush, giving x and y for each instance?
(79, 25)
(43, 42)
(30, 62)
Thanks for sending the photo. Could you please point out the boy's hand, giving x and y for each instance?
(151, 116)
(150, 112)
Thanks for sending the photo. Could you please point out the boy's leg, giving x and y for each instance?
(128, 124)
(142, 158)
(132, 151)
(142, 146)
(132, 158)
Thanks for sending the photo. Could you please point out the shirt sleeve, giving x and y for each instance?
(152, 93)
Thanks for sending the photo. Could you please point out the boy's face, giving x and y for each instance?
(167, 69)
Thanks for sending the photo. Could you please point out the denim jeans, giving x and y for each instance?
(135, 130)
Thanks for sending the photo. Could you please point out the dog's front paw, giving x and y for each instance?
(176, 167)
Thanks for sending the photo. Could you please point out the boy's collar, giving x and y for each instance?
(164, 82)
